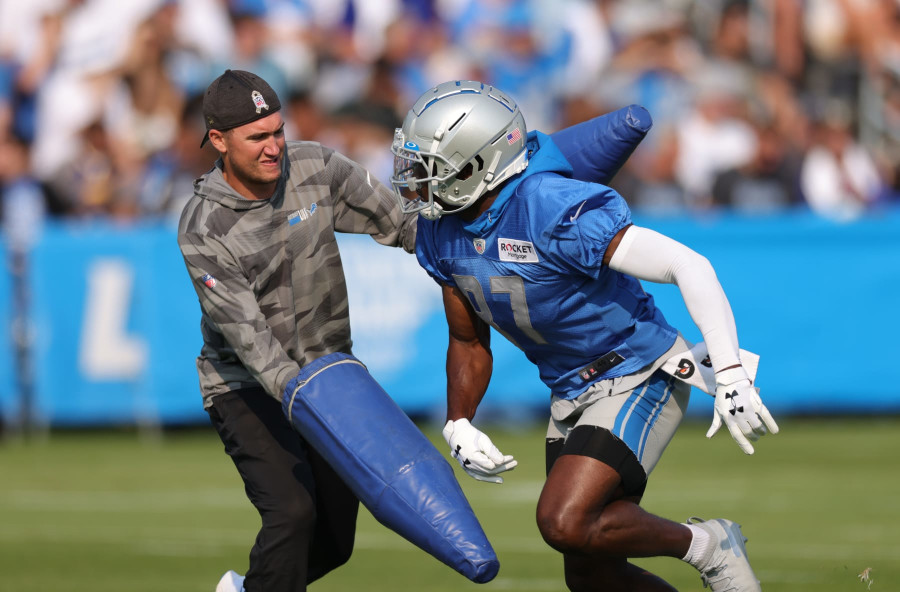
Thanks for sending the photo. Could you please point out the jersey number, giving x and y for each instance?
(512, 285)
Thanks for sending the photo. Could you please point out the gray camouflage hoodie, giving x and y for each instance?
(268, 273)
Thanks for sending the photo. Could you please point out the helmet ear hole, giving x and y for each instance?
(476, 165)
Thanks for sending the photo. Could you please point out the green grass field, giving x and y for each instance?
(117, 512)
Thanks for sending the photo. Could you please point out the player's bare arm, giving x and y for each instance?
(469, 367)
(469, 359)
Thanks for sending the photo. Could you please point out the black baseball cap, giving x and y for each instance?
(236, 98)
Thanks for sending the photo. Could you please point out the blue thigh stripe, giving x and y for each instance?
(639, 414)
(654, 416)
(620, 427)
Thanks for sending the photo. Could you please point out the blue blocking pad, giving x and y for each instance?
(394, 470)
(597, 148)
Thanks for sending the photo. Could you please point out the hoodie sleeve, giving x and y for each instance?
(363, 205)
(230, 307)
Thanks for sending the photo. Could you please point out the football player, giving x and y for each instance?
(553, 264)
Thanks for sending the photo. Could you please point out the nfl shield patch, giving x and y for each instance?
(258, 101)
(209, 280)
(479, 245)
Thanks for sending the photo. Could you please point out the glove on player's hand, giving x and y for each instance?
(738, 405)
(475, 452)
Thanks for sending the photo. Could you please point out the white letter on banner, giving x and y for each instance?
(107, 353)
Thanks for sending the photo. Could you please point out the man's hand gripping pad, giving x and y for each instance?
(597, 148)
(394, 470)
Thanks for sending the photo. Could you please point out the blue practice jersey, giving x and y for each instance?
(531, 268)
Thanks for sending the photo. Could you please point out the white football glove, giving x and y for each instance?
(739, 406)
(475, 452)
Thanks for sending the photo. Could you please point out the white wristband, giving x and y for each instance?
(731, 375)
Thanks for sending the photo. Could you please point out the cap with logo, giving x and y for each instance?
(236, 98)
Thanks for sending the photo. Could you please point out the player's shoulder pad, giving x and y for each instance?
(589, 203)
(564, 195)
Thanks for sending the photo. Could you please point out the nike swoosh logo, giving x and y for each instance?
(578, 211)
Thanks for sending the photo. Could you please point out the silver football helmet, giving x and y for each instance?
(460, 140)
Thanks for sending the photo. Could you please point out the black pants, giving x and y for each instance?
(308, 514)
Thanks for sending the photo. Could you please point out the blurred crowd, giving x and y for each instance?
(758, 105)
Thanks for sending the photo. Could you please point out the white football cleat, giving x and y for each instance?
(231, 582)
(727, 569)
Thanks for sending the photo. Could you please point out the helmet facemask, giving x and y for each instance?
(412, 184)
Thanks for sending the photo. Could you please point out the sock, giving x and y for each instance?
(701, 545)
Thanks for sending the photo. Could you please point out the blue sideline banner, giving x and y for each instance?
(9, 397)
(114, 325)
